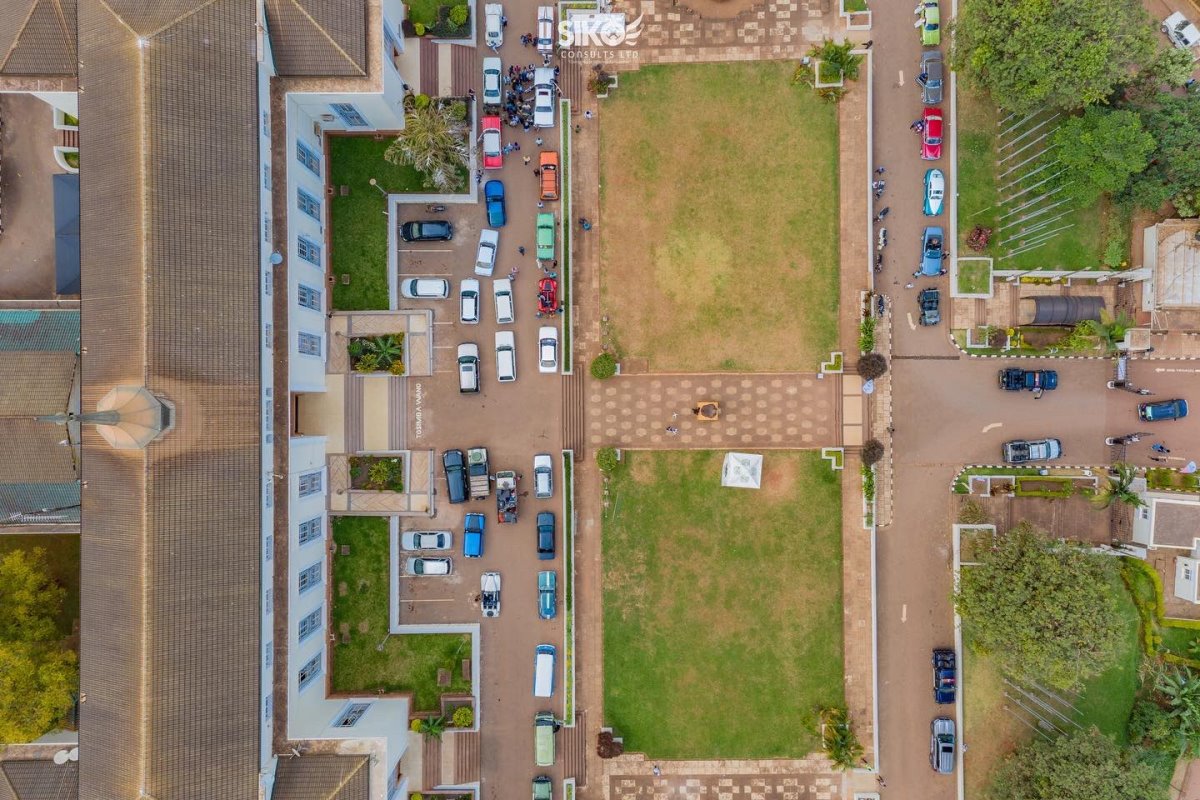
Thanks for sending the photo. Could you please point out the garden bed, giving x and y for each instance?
(377, 353)
(1160, 478)
(1044, 487)
(433, 18)
(377, 473)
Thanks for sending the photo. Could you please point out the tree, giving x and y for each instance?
(838, 739)
(29, 598)
(37, 686)
(435, 144)
(839, 57)
(1174, 172)
(872, 451)
(1084, 765)
(1179, 687)
(872, 366)
(1100, 150)
(1111, 329)
(1171, 67)
(1119, 488)
(604, 366)
(1067, 54)
(432, 727)
(1043, 609)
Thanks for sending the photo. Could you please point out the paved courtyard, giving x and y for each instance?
(724, 787)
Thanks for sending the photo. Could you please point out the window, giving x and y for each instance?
(308, 250)
(267, 336)
(1187, 572)
(267, 708)
(310, 576)
(349, 114)
(269, 652)
(311, 530)
(351, 715)
(266, 123)
(308, 204)
(267, 603)
(306, 156)
(310, 624)
(267, 177)
(267, 283)
(309, 297)
(308, 344)
(268, 547)
(267, 228)
(310, 483)
(310, 671)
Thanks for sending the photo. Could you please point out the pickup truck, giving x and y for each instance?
(928, 300)
(506, 496)
(1015, 379)
(1020, 451)
(477, 473)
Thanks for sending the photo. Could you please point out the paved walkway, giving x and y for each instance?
(632, 776)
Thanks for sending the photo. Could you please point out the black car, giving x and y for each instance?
(428, 230)
(929, 300)
(945, 676)
(545, 535)
(455, 464)
(1015, 379)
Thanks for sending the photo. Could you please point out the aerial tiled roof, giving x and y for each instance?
(39, 329)
(27, 503)
(322, 777)
(35, 383)
(318, 37)
(37, 37)
(39, 780)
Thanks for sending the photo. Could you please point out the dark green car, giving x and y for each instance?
(543, 789)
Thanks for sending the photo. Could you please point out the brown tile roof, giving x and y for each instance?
(170, 642)
(40, 779)
(1176, 524)
(318, 37)
(37, 37)
(322, 777)
(35, 382)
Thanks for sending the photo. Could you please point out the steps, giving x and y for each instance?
(574, 745)
(573, 413)
(431, 763)
(466, 757)
(397, 413)
(429, 66)
(354, 414)
(465, 70)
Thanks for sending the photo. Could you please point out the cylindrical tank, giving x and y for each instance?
(1058, 310)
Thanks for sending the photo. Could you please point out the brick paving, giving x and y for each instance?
(632, 776)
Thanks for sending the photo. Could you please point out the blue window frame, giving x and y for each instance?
(309, 298)
(310, 483)
(310, 624)
(311, 670)
(306, 156)
(308, 204)
(309, 250)
(349, 115)
(308, 344)
(351, 715)
(310, 576)
(311, 530)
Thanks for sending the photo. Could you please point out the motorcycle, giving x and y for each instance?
(433, 208)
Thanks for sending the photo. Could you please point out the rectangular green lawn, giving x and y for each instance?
(722, 607)
(408, 662)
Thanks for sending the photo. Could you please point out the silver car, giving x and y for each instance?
(930, 77)
(426, 540)
(543, 476)
(941, 745)
(423, 565)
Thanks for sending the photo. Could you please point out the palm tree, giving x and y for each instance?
(433, 727)
(386, 348)
(1119, 488)
(838, 739)
(1111, 330)
(435, 144)
(838, 57)
(1181, 688)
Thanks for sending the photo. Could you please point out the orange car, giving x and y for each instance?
(548, 162)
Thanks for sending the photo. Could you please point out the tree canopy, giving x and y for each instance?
(1099, 151)
(37, 686)
(1174, 174)
(1085, 765)
(1067, 54)
(1044, 610)
(433, 142)
(29, 599)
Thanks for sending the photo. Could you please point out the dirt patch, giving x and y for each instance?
(641, 470)
(364, 626)
(778, 478)
(1043, 338)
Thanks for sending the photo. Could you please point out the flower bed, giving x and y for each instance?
(377, 353)
(377, 473)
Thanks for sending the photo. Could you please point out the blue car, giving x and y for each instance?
(935, 192)
(473, 527)
(493, 195)
(1163, 409)
(545, 535)
(547, 594)
(931, 252)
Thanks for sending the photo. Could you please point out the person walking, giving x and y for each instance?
(587, 114)
(656, 771)
(521, 249)
(671, 429)
(867, 46)
(1159, 447)
(526, 160)
(538, 141)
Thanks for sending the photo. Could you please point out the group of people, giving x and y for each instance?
(518, 99)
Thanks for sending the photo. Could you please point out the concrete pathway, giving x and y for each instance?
(632, 776)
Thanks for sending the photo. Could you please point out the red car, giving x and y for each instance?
(493, 150)
(931, 134)
(547, 296)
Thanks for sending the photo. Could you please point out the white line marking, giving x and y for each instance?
(987, 428)
(904, 613)
(901, 78)
(912, 326)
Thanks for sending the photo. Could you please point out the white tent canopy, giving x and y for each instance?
(742, 470)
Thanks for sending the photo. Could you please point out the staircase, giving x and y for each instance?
(575, 749)
(573, 414)
(466, 757)
(431, 763)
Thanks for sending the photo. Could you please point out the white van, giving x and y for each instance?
(502, 294)
(543, 671)
(506, 357)
(543, 97)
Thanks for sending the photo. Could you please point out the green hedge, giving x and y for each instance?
(1067, 487)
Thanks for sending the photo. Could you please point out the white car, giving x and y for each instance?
(491, 81)
(489, 594)
(468, 301)
(468, 368)
(502, 294)
(493, 25)
(426, 540)
(1182, 33)
(421, 566)
(506, 357)
(547, 349)
(425, 288)
(543, 98)
(485, 256)
(543, 476)
(545, 30)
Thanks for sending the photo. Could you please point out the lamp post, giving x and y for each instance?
(375, 183)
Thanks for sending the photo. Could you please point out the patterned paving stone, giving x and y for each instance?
(721, 787)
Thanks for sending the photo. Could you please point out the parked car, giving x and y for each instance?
(468, 368)
(928, 300)
(426, 540)
(543, 476)
(454, 463)
(929, 20)
(1182, 33)
(485, 254)
(545, 30)
(931, 251)
(543, 788)
(492, 81)
(493, 149)
(468, 301)
(545, 237)
(493, 26)
(506, 357)
(1015, 379)
(548, 163)
(945, 676)
(489, 594)
(547, 594)
(503, 297)
(930, 77)
(493, 197)
(474, 525)
(428, 230)
(425, 288)
(1020, 451)
(935, 192)
(941, 745)
(545, 535)
(543, 97)
(1162, 409)
(421, 566)
(931, 134)
(547, 349)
